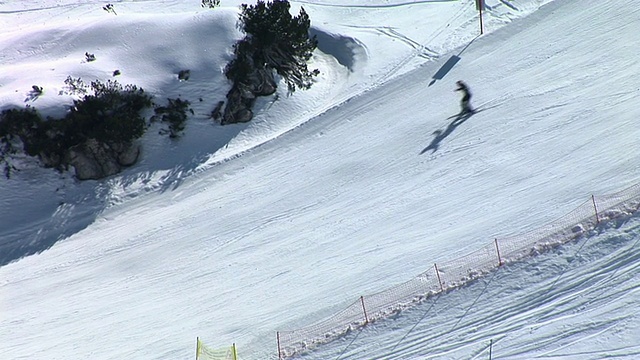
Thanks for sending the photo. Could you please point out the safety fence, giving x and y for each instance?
(451, 274)
(203, 352)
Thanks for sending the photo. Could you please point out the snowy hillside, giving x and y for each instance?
(234, 233)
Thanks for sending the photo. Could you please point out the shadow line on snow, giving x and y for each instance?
(440, 135)
(59, 206)
(450, 64)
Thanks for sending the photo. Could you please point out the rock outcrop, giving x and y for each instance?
(242, 96)
(95, 160)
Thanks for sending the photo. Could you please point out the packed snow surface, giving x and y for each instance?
(233, 233)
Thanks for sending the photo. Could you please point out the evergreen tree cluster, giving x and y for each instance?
(210, 3)
(111, 115)
(274, 40)
(108, 113)
(174, 114)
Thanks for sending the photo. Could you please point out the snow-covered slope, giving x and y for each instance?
(233, 233)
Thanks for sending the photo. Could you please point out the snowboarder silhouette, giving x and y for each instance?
(466, 98)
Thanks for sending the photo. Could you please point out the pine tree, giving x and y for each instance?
(279, 41)
(210, 3)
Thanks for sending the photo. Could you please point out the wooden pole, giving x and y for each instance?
(595, 207)
(364, 309)
(480, 5)
(490, 348)
(197, 347)
(278, 339)
(498, 250)
(481, 26)
(438, 273)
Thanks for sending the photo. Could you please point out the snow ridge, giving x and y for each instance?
(455, 273)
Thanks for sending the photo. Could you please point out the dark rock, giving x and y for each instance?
(262, 82)
(216, 114)
(94, 160)
(240, 101)
(242, 96)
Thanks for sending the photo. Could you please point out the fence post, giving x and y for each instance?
(364, 309)
(490, 348)
(479, 7)
(197, 347)
(438, 274)
(498, 251)
(278, 339)
(595, 207)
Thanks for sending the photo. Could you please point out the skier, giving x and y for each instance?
(466, 97)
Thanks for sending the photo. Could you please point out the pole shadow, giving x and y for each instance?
(440, 135)
(451, 62)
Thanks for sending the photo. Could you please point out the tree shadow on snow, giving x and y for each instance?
(41, 207)
(348, 51)
(440, 135)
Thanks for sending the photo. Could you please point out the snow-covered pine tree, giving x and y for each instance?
(279, 41)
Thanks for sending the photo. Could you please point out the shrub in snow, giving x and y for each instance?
(183, 75)
(89, 57)
(74, 87)
(112, 113)
(275, 42)
(104, 122)
(216, 113)
(174, 114)
(109, 8)
(18, 130)
(210, 3)
(35, 93)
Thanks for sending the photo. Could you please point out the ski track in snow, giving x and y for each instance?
(279, 223)
(583, 288)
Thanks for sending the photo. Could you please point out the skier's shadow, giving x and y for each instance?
(439, 135)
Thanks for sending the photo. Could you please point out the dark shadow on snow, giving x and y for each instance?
(440, 135)
(53, 221)
(33, 222)
(444, 69)
(57, 206)
(34, 94)
(347, 51)
(451, 62)
(40, 207)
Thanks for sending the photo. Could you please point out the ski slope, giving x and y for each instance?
(236, 232)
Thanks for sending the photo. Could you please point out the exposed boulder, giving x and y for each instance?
(94, 160)
(262, 82)
(240, 100)
(242, 96)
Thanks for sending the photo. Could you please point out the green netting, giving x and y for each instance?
(205, 353)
